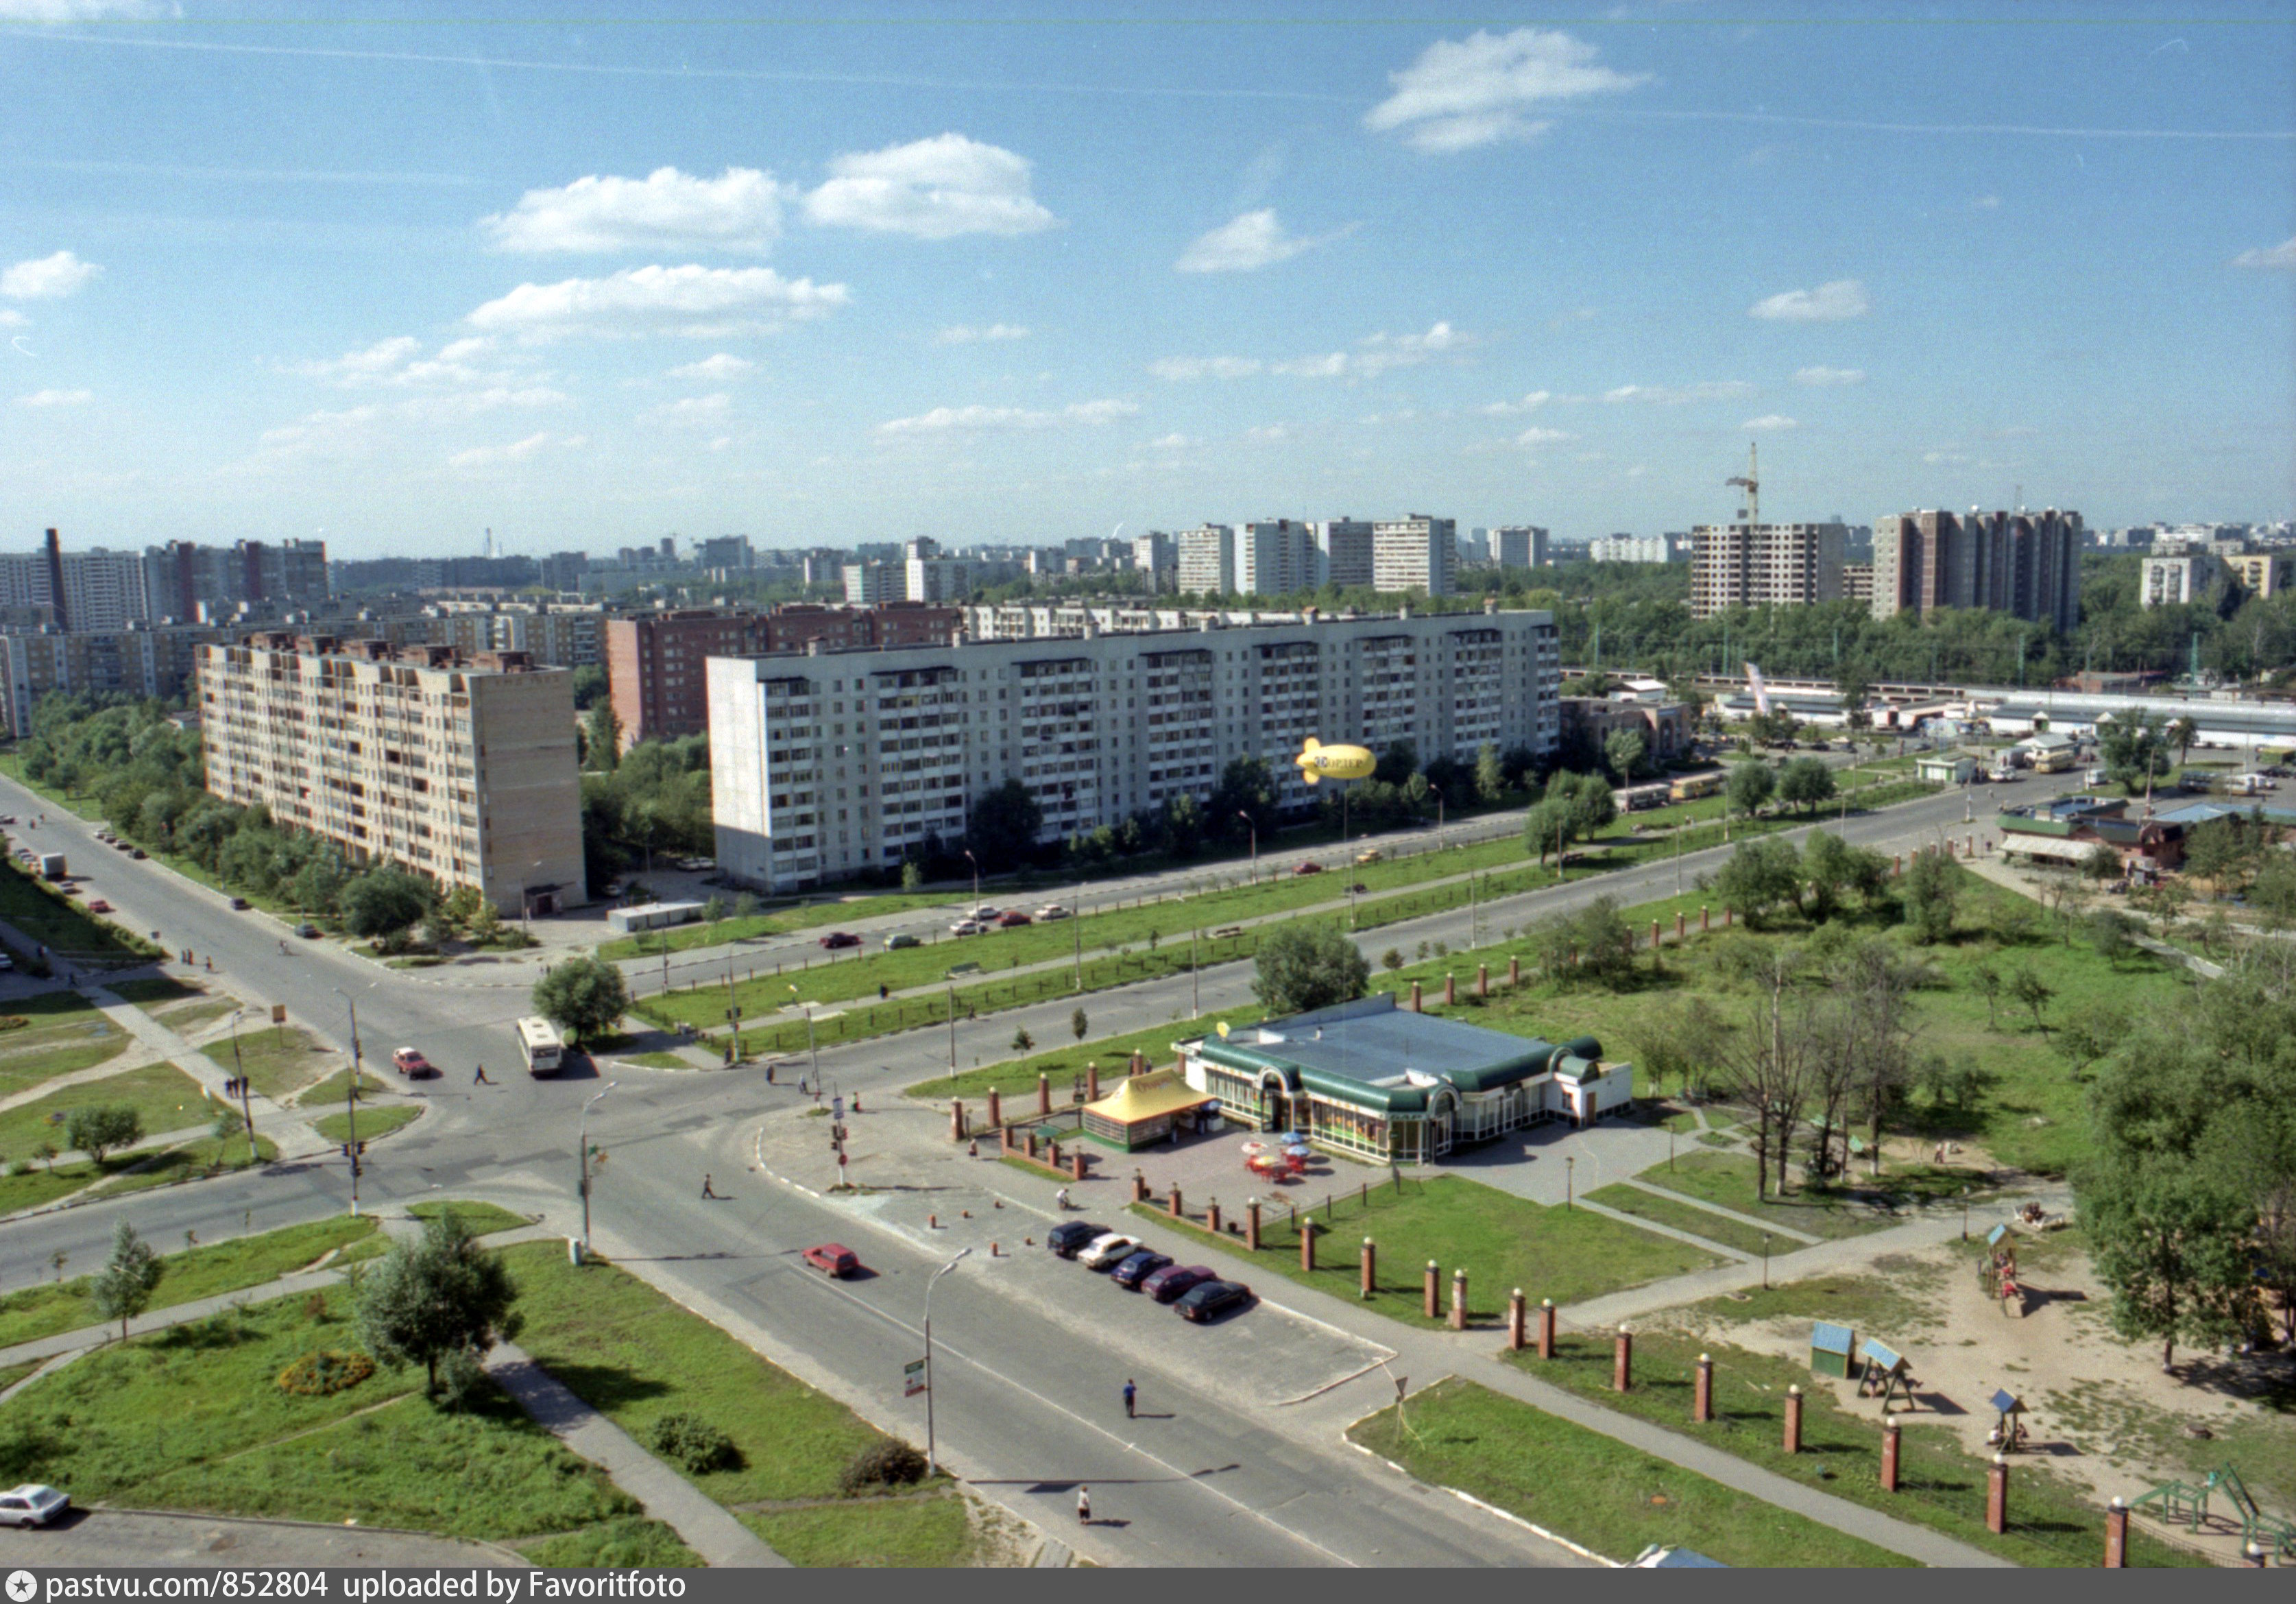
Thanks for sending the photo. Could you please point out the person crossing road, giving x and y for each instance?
(1131, 1396)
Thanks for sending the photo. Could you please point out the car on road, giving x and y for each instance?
(697, 866)
(1209, 1300)
(239, 905)
(1071, 1236)
(1370, 854)
(833, 1258)
(1052, 910)
(412, 1064)
(1106, 1251)
(1308, 868)
(1359, 888)
(98, 905)
(123, 846)
(307, 930)
(138, 854)
(900, 939)
(967, 927)
(106, 836)
(1169, 1282)
(1013, 918)
(6, 963)
(2095, 776)
(984, 913)
(840, 938)
(32, 1505)
(1136, 1268)
(7, 818)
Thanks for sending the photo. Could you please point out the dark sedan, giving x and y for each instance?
(1071, 1236)
(1169, 1282)
(1209, 1300)
(1138, 1267)
(840, 938)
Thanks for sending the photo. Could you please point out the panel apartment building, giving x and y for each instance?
(2026, 564)
(1762, 564)
(460, 769)
(96, 590)
(1418, 552)
(825, 764)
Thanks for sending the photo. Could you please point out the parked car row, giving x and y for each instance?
(985, 918)
(1195, 1290)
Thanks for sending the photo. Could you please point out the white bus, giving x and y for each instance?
(538, 1039)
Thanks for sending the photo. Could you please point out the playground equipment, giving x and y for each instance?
(2008, 1433)
(1887, 1375)
(1830, 1348)
(1997, 1270)
(2187, 1504)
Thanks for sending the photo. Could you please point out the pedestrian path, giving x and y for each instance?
(1656, 1230)
(1715, 1209)
(667, 1496)
(288, 1131)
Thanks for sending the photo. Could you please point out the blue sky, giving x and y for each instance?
(588, 283)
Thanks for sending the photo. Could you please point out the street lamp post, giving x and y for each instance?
(1252, 825)
(1766, 1261)
(583, 1142)
(969, 858)
(952, 1031)
(246, 1107)
(526, 898)
(351, 1097)
(733, 1009)
(932, 1464)
(813, 1051)
(1569, 1176)
(1195, 987)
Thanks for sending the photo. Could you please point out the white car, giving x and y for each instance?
(984, 913)
(2095, 776)
(1052, 910)
(1105, 1253)
(967, 927)
(32, 1505)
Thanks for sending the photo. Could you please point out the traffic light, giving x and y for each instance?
(352, 1150)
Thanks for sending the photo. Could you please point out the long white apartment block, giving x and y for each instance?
(826, 764)
(1417, 553)
(1206, 560)
(1276, 557)
(460, 769)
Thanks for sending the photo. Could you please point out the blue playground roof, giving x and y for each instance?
(1831, 1339)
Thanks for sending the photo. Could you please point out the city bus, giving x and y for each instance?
(1634, 798)
(1693, 785)
(538, 1039)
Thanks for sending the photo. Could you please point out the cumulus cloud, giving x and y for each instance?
(480, 457)
(57, 397)
(1832, 302)
(1770, 422)
(1180, 368)
(48, 277)
(1461, 93)
(1249, 242)
(945, 420)
(696, 409)
(1530, 403)
(1543, 437)
(1170, 442)
(1677, 395)
(933, 189)
(1822, 378)
(739, 210)
(968, 334)
(394, 364)
(639, 299)
(720, 367)
(1267, 434)
(2282, 255)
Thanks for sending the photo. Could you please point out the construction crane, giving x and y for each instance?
(1752, 481)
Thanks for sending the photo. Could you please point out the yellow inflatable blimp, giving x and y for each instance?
(1319, 762)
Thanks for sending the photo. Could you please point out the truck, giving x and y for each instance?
(52, 866)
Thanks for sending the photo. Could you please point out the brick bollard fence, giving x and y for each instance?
(1705, 922)
(1053, 1152)
(1414, 997)
(1044, 1097)
(1005, 1139)
(2116, 1536)
(1368, 1277)
(1892, 1435)
(1516, 1321)
(1459, 1299)
(1428, 1306)
(1793, 1420)
(1546, 1328)
(1514, 970)
(1251, 1225)
(1701, 1397)
(1308, 1245)
(1091, 1083)
(1681, 926)
(1482, 980)
(1139, 1064)
(1031, 1140)
(1996, 1495)
(1653, 935)
(1726, 919)
(1076, 1162)
(1176, 1214)
(996, 1107)
(1139, 1187)
(1450, 991)
(1622, 1362)
(956, 1119)
(1211, 1217)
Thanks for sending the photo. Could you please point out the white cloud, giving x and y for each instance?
(48, 277)
(1673, 395)
(383, 357)
(1825, 377)
(967, 334)
(1770, 422)
(1247, 243)
(1170, 442)
(641, 299)
(1543, 437)
(1530, 403)
(1987, 203)
(1474, 91)
(2282, 255)
(479, 456)
(943, 420)
(1267, 434)
(1180, 368)
(1843, 298)
(718, 368)
(85, 11)
(57, 397)
(740, 209)
(1329, 366)
(1945, 457)
(392, 364)
(934, 189)
(696, 409)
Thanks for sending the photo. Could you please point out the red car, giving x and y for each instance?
(834, 1260)
(840, 938)
(1309, 867)
(412, 1064)
(1008, 920)
(99, 906)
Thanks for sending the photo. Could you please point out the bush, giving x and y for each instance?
(463, 1380)
(13, 1022)
(694, 1442)
(891, 1463)
(322, 1374)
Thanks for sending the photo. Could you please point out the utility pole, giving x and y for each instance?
(1252, 825)
(1195, 986)
(733, 1009)
(246, 1109)
(583, 1142)
(350, 1147)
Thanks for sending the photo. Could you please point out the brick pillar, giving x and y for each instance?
(1031, 1141)
(1996, 1495)
(1052, 1152)
(1428, 1305)
(1414, 997)
(1177, 1214)
(1450, 991)
(1139, 1187)
(2116, 1536)
(1890, 1446)
(1726, 919)
(1653, 935)
(1368, 1268)
(1251, 1225)
(1898, 866)
(1701, 1398)
(1681, 925)
(1091, 1083)
(1622, 1362)
(1004, 1139)
(1139, 1063)
(1793, 1420)
(1307, 1245)
(1211, 1217)
(1514, 971)
(1482, 980)
(1705, 921)
(1076, 1162)
(1459, 1299)
(956, 1119)
(1044, 1097)
(1546, 1328)
(996, 1107)
(1516, 1320)
(1969, 847)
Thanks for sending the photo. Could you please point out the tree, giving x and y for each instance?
(1546, 828)
(2216, 853)
(1749, 785)
(590, 685)
(1490, 773)
(1857, 690)
(745, 905)
(99, 1129)
(462, 906)
(2029, 989)
(1932, 886)
(2135, 749)
(2183, 730)
(1309, 964)
(602, 737)
(1247, 785)
(1831, 866)
(1003, 827)
(1398, 763)
(1589, 800)
(2108, 933)
(123, 1287)
(2102, 863)
(1767, 1066)
(913, 874)
(1679, 1038)
(1079, 1026)
(1622, 749)
(1601, 937)
(1757, 877)
(1805, 783)
(435, 1298)
(1023, 1041)
(1987, 980)
(2171, 1241)
(384, 902)
(584, 997)
(1391, 959)
(714, 911)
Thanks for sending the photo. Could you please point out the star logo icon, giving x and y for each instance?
(22, 1586)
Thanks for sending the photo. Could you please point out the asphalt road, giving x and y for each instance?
(1027, 1393)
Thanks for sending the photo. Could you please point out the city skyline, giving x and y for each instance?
(389, 285)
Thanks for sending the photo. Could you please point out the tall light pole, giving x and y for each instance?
(933, 1465)
(969, 858)
(1195, 986)
(583, 1142)
(1252, 825)
(813, 1051)
(246, 1107)
(951, 978)
(1438, 790)
(526, 898)
(351, 1097)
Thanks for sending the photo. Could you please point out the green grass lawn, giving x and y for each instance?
(192, 1273)
(1501, 1240)
(334, 1088)
(2051, 1522)
(1728, 1180)
(60, 924)
(181, 1005)
(193, 1160)
(630, 1541)
(164, 1096)
(1682, 1216)
(636, 1356)
(925, 1530)
(484, 1219)
(277, 1060)
(61, 1033)
(1597, 1492)
(372, 1123)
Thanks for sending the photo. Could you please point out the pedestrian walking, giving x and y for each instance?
(705, 1190)
(478, 1077)
(1131, 1395)
(1083, 1506)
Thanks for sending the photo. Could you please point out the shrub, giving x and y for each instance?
(13, 1022)
(889, 1463)
(694, 1442)
(320, 1373)
(462, 1380)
